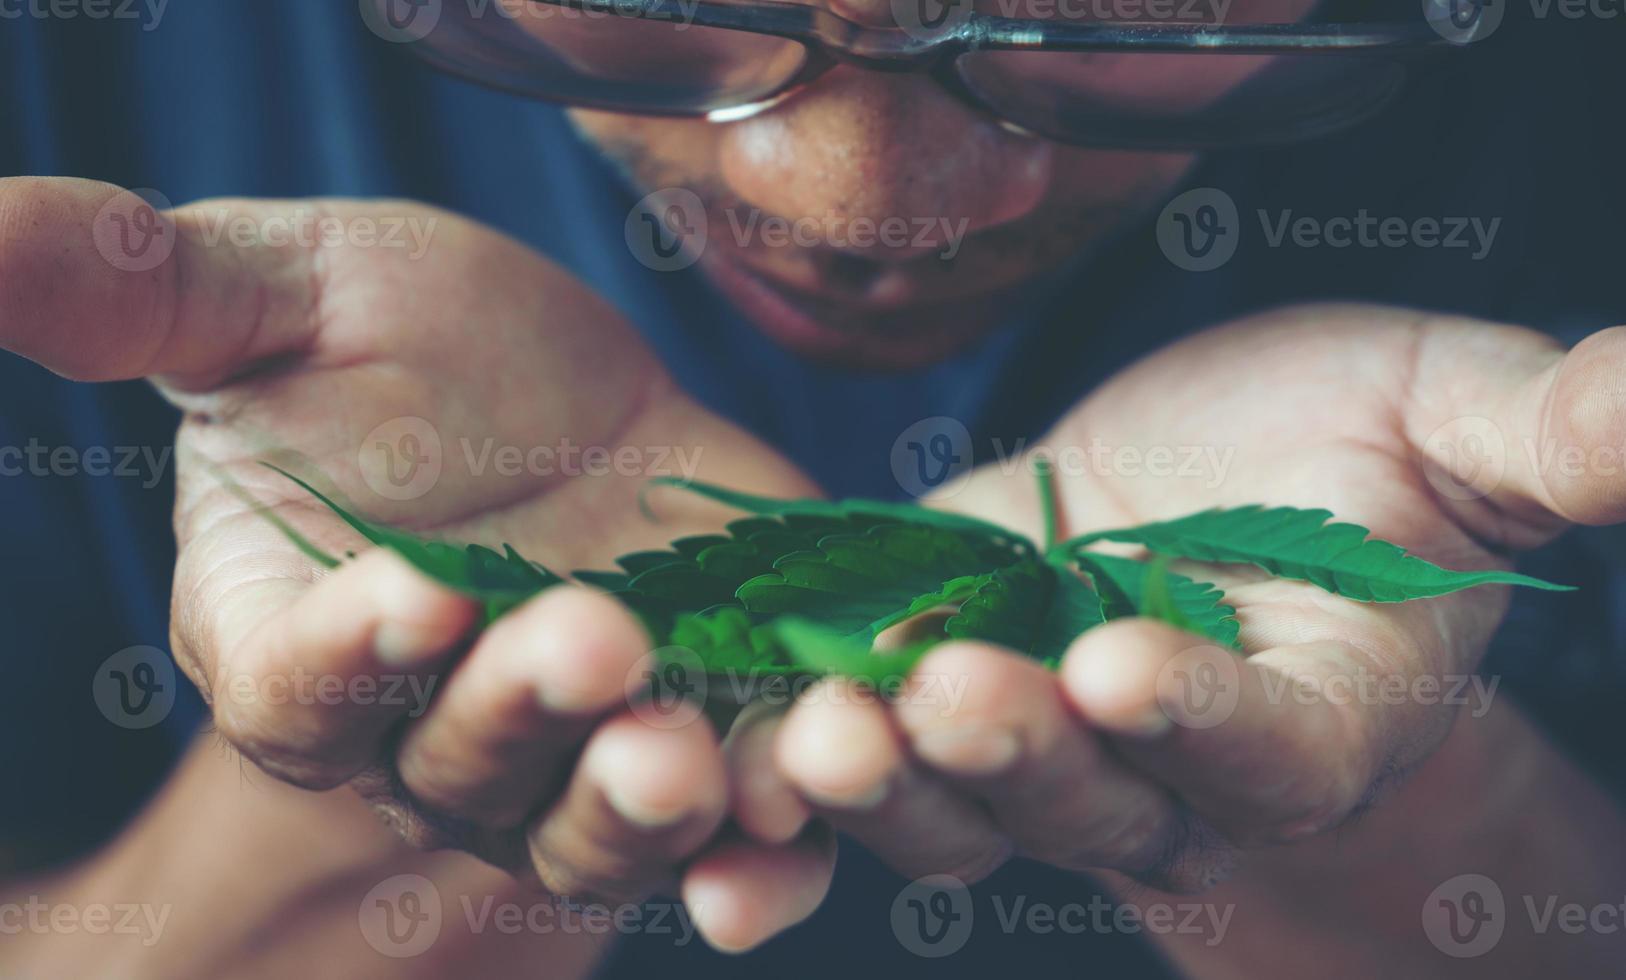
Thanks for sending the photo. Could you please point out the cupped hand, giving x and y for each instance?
(464, 388)
(1152, 752)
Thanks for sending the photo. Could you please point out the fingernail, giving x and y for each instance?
(858, 798)
(640, 812)
(565, 699)
(401, 644)
(1151, 723)
(971, 750)
(770, 811)
(1105, 693)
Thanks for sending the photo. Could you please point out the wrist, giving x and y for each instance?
(229, 872)
(1496, 800)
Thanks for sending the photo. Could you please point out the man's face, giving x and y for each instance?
(974, 209)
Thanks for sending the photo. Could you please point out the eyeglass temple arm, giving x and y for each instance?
(806, 22)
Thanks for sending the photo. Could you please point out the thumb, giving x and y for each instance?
(97, 285)
(1511, 426)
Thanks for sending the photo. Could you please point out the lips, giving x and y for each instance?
(869, 316)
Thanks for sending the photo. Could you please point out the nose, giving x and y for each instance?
(866, 146)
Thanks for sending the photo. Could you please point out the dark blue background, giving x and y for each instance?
(296, 98)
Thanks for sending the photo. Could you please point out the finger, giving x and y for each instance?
(761, 801)
(743, 893)
(1223, 734)
(509, 721)
(996, 726)
(310, 690)
(1503, 413)
(202, 313)
(840, 749)
(640, 802)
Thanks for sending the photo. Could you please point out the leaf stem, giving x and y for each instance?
(1046, 476)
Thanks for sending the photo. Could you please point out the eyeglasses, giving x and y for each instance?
(1068, 74)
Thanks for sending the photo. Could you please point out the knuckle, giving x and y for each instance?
(612, 884)
(1124, 841)
(1318, 802)
(970, 863)
(437, 788)
(1194, 859)
(413, 826)
(246, 730)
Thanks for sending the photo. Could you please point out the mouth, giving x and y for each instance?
(855, 312)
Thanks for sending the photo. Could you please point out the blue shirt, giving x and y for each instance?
(294, 99)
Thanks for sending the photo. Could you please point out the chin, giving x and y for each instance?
(849, 335)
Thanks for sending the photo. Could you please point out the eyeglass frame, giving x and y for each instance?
(830, 39)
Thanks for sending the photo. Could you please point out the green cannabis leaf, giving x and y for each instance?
(804, 587)
(501, 581)
(1300, 544)
(864, 583)
(1031, 607)
(1151, 590)
(819, 650)
(855, 508)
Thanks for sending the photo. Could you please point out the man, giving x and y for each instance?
(528, 755)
